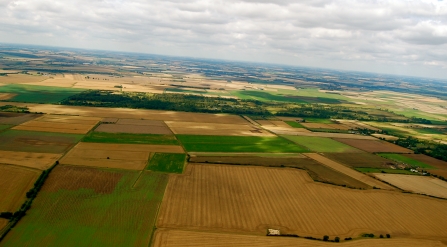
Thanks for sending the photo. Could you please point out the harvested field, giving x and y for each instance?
(91, 207)
(39, 142)
(325, 126)
(428, 160)
(273, 123)
(251, 199)
(16, 118)
(14, 183)
(179, 238)
(360, 160)
(322, 144)
(7, 96)
(60, 124)
(141, 122)
(374, 146)
(350, 172)
(317, 171)
(254, 144)
(121, 156)
(128, 138)
(305, 132)
(135, 113)
(289, 129)
(418, 184)
(133, 129)
(190, 128)
(40, 161)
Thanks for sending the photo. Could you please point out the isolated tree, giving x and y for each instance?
(325, 238)
(388, 236)
(337, 239)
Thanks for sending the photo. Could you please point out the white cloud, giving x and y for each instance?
(371, 35)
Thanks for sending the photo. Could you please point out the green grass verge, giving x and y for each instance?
(164, 162)
(321, 144)
(406, 160)
(122, 215)
(38, 94)
(103, 137)
(256, 144)
(294, 124)
(379, 170)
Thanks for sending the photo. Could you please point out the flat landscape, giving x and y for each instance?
(130, 138)
(322, 144)
(189, 128)
(41, 161)
(417, 184)
(90, 207)
(60, 124)
(251, 199)
(374, 146)
(135, 126)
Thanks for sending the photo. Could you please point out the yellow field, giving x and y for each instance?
(178, 238)
(40, 161)
(14, 183)
(60, 124)
(121, 156)
(191, 128)
(419, 184)
(348, 171)
(251, 199)
(305, 132)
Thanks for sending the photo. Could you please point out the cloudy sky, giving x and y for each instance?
(396, 36)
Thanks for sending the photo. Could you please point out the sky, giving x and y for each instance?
(395, 37)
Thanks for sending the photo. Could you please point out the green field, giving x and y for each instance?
(379, 170)
(34, 141)
(406, 160)
(322, 144)
(294, 124)
(318, 120)
(92, 207)
(253, 144)
(5, 126)
(38, 94)
(164, 162)
(126, 138)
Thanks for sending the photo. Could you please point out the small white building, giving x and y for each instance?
(273, 232)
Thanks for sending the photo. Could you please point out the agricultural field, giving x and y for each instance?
(385, 170)
(374, 146)
(325, 126)
(196, 143)
(317, 171)
(39, 142)
(127, 138)
(294, 124)
(16, 118)
(38, 94)
(361, 160)
(322, 144)
(90, 207)
(60, 124)
(418, 184)
(439, 164)
(165, 162)
(214, 129)
(306, 132)
(14, 183)
(406, 160)
(119, 156)
(348, 171)
(135, 126)
(179, 238)
(249, 200)
(41, 161)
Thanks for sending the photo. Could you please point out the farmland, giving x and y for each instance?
(294, 124)
(40, 142)
(418, 184)
(127, 138)
(14, 183)
(135, 126)
(164, 162)
(89, 207)
(60, 124)
(428, 160)
(179, 238)
(189, 128)
(38, 94)
(404, 159)
(41, 161)
(360, 160)
(322, 144)
(385, 170)
(251, 199)
(374, 146)
(195, 143)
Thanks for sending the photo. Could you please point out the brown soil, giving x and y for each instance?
(16, 118)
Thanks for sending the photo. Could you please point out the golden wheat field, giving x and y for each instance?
(60, 124)
(40, 161)
(251, 199)
(419, 184)
(179, 238)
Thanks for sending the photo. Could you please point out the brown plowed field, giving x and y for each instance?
(419, 184)
(374, 146)
(317, 171)
(133, 129)
(3, 223)
(6, 96)
(179, 238)
(190, 128)
(350, 172)
(14, 183)
(359, 159)
(428, 160)
(60, 124)
(121, 156)
(40, 161)
(252, 199)
(16, 118)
